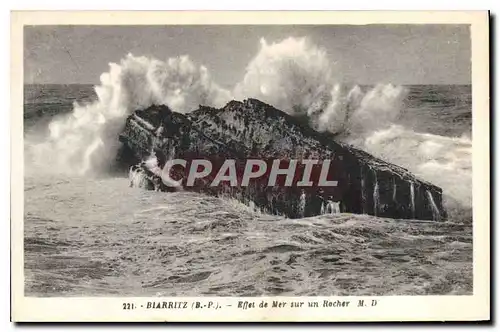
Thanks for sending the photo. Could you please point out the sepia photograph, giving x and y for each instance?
(256, 161)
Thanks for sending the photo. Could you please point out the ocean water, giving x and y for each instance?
(95, 236)
(435, 109)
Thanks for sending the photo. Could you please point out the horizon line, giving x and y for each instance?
(347, 83)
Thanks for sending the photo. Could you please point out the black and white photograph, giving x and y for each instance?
(248, 160)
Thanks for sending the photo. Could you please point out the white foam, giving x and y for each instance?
(85, 141)
(293, 75)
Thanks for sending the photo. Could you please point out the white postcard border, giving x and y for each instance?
(388, 308)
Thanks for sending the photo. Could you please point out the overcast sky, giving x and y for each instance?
(400, 54)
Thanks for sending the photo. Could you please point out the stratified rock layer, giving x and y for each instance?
(253, 129)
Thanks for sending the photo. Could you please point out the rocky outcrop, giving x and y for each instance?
(253, 129)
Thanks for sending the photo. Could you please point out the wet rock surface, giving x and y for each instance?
(254, 130)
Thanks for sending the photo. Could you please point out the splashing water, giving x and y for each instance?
(330, 207)
(443, 161)
(297, 77)
(302, 205)
(394, 190)
(435, 210)
(85, 141)
(412, 197)
(376, 196)
(293, 75)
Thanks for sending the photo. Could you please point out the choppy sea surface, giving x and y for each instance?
(99, 237)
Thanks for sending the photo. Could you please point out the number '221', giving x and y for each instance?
(128, 306)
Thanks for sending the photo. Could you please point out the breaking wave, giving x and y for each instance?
(297, 77)
(85, 141)
(293, 75)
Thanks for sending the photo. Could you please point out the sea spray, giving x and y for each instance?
(443, 161)
(302, 204)
(394, 190)
(293, 75)
(330, 207)
(435, 210)
(412, 199)
(363, 193)
(376, 195)
(86, 140)
(297, 77)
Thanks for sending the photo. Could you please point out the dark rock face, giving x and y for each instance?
(253, 129)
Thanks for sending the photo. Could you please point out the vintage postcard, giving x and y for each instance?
(250, 166)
